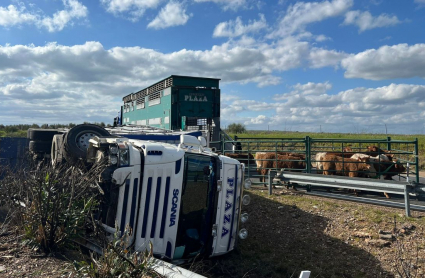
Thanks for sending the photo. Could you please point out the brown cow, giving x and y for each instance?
(336, 165)
(266, 161)
(347, 152)
(242, 157)
(300, 155)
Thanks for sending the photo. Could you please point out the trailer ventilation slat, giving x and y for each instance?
(155, 95)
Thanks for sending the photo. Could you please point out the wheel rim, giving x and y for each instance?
(82, 140)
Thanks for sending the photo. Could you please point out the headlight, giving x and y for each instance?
(243, 234)
(248, 183)
(113, 159)
(113, 149)
(214, 230)
(124, 161)
(246, 200)
(244, 217)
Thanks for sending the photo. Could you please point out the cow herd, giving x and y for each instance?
(368, 164)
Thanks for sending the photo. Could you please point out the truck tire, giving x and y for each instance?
(57, 150)
(40, 146)
(76, 140)
(41, 134)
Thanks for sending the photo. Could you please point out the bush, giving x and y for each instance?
(236, 128)
(118, 261)
(53, 203)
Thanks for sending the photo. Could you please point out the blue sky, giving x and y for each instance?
(335, 65)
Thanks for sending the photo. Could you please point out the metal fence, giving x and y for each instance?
(304, 150)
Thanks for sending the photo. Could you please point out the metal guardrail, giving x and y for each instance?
(394, 187)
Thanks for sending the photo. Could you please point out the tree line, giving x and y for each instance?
(20, 130)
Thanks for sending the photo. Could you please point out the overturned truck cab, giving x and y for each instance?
(184, 199)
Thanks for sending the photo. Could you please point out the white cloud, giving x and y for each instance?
(134, 8)
(320, 58)
(387, 62)
(39, 77)
(12, 15)
(365, 21)
(73, 9)
(232, 109)
(299, 15)
(286, 54)
(311, 107)
(227, 4)
(227, 97)
(362, 108)
(259, 120)
(322, 38)
(235, 28)
(309, 89)
(173, 14)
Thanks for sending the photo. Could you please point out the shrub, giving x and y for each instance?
(118, 261)
(53, 203)
(236, 128)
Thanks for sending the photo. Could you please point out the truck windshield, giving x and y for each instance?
(197, 205)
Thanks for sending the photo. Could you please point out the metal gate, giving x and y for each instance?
(304, 150)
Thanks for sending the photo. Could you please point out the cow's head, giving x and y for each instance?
(347, 149)
(372, 149)
(398, 166)
(368, 166)
(259, 157)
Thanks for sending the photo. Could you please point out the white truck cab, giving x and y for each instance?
(184, 199)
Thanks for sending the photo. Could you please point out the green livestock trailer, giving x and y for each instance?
(176, 103)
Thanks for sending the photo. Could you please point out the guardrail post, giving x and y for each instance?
(417, 160)
(407, 199)
(389, 143)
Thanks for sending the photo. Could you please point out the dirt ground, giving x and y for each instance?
(288, 232)
(19, 260)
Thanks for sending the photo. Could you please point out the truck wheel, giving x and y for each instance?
(41, 134)
(76, 141)
(40, 146)
(57, 149)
